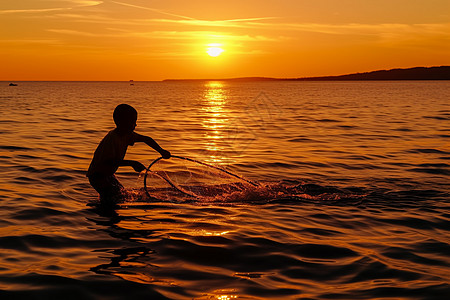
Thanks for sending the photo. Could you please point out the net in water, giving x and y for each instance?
(170, 179)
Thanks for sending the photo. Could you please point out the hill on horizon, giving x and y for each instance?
(416, 73)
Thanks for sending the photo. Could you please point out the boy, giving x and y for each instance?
(110, 153)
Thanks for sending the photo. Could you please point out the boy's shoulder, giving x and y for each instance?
(114, 137)
(111, 135)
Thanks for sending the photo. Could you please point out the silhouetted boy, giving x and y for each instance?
(110, 154)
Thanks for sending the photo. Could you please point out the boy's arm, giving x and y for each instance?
(152, 143)
(137, 166)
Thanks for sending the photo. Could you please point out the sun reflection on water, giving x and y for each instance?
(212, 233)
(216, 118)
(226, 297)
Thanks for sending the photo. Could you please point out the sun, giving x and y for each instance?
(214, 50)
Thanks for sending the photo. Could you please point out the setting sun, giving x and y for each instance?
(214, 50)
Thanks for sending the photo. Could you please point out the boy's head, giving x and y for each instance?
(125, 117)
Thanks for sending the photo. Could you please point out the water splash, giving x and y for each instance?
(185, 180)
(238, 193)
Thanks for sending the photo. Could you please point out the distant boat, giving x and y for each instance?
(131, 82)
(12, 84)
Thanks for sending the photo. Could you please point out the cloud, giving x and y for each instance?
(53, 6)
(170, 35)
(186, 20)
(201, 36)
(31, 42)
(151, 9)
(32, 10)
(102, 19)
(240, 23)
(359, 28)
(72, 32)
(85, 33)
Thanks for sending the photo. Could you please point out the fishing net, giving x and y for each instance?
(170, 179)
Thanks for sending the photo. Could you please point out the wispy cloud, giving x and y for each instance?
(358, 28)
(201, 35)
(152, 9)
(73, 32)
(71, 4)
(87, 34)
(186, 20)
(33, 10)
(240, 23)
(162, 34)
(31, 41)
(102, 19)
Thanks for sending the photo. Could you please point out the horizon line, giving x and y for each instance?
(243, 78)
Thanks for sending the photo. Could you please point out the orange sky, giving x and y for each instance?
(154, 40)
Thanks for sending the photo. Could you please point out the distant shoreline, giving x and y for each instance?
(417, 73)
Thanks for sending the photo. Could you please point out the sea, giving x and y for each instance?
(338, 190)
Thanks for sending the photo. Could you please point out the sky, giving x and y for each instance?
(161, 39)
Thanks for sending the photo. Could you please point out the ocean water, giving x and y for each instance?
(351, 198)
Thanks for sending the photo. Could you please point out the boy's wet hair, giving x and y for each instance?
(123, 114)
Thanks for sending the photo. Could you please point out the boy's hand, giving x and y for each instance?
(137, 166)
(165, 154)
